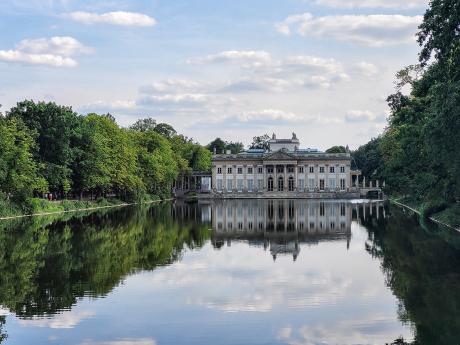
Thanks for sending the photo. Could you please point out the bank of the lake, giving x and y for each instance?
(444, 214)
(38, 206)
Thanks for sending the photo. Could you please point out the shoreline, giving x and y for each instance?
(432, 218)
(83, 209)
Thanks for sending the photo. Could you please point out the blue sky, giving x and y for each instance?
(234, 69)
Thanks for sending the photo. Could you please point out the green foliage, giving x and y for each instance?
(260, 142)
(45, 147)
(19, 176)
(418, 154)
(336, 149)
(222, 146)
(57, 129)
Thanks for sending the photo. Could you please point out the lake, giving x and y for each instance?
(230, 272)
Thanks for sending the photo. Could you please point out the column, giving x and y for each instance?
(265, 186)
(296, 181)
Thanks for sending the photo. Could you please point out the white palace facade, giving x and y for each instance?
(284, 170)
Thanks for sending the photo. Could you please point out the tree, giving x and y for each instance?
(19, 177)
(143, 125)
(217, 145)
(235, 147)
(109, 160)
(260, 142)
(336, 149)
(57, 131)
(165, 130)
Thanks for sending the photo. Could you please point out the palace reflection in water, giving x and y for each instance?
(205, 270)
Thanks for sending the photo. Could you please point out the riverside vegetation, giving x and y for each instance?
(48, 148)
(418, 154)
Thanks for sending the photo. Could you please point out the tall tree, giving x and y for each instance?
(260, 142)
(57, 130)
(19, 177)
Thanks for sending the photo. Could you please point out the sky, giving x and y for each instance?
(232, 69)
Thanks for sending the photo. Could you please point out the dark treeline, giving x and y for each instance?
(45, 147)
(418, 154)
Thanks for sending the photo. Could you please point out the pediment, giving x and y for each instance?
(279, 156)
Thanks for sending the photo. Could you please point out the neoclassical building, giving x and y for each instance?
(284, 170)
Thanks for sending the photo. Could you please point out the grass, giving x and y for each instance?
(451, 215)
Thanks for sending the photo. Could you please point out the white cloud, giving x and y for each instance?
(56, 51)
(170, 85)
(246, 58)
(58, 45)
(267, 114)
(371, 30)
(67, 319)
(141, 341)
(407, 4)
(366, 69)
(179, 98)
(363, 116)
(116, 18)
(113, 105)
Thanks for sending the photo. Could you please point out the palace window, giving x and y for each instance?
(219, 185)
(301, 170)
(260, 184)
(312, 170)
(332, 183)
(270, 170)
(229, 170)
(321, 170)
(260, 170)
(291, 184)
(311, 183)
(342, 169)
(301, 184)
(229, 185)
(250, 170)
(321, 184)
(250, 185)
(280, 184)
(240, 185)
(219, 171)
(280, 169)
(270, 184)
(331, 170)
(290, 169)
(240, 171)
(342, 184)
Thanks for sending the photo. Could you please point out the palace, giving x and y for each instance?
(283, 170)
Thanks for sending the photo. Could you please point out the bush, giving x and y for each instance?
(431, 207)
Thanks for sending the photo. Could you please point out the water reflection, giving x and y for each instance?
(251, 271)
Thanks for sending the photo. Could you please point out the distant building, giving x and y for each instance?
(285, 170)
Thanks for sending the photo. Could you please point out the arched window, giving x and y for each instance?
(291, 184)
(280, 184)
(270, 184)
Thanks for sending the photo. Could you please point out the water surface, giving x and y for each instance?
(230, 272)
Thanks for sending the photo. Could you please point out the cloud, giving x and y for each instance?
(245, 58)
(115, 18)
(267, 114)
(370, 30)
(67, 319)
(363, 116)
(105, 106)
(366, 69)
(170, 85)
(407, 4)
(56, 51)
(174, 99)
(140, 341)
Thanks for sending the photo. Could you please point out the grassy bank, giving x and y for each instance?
(42, 206)
(439, 211)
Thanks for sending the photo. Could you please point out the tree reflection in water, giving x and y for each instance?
(422, 267)
(47, 264)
